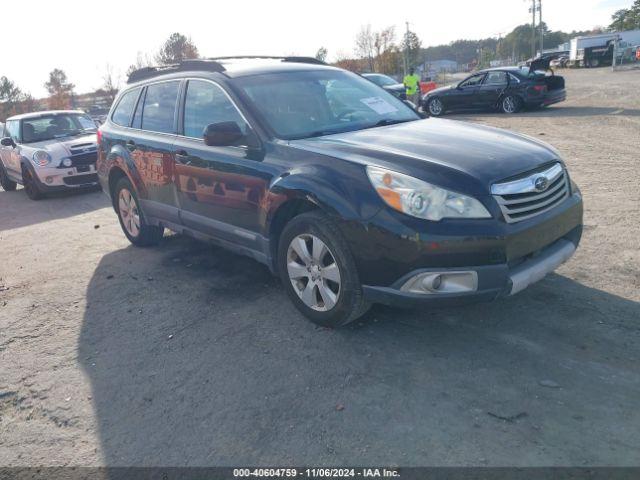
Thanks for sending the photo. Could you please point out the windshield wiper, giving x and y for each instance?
(387, 121)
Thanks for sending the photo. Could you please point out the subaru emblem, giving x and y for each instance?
(541, 184)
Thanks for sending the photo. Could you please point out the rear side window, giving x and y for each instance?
(160, 107)
(496, 78)
(124, 110)
(206, 103)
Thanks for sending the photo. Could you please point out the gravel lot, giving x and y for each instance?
(185, 354)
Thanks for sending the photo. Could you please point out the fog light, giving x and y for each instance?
(48, 179)
(67, 162)
(434, 283)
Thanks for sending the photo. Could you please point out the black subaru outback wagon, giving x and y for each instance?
(336, 185)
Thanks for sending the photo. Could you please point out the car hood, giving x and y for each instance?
(440, 90)
(62, 147)
(432, 148)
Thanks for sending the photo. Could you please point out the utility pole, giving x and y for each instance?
(406, 50)
(541, 26)
(533, 28)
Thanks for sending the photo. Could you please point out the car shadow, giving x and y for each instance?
(197, 357)
(17, 210)
(557, 111)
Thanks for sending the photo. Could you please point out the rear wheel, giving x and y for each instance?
(510, 104)
(435, 107)
(131, 218)
(318, 271)
(5, 182)
(30, 184)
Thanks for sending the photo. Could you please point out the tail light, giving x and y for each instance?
(99, 137)
(540, 88)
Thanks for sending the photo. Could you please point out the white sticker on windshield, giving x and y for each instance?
(378, 105)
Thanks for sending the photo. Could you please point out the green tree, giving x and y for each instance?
(411, 47)
(10, 96)
(321, 54)
(175, 49)
(60, 90)
(626, 18)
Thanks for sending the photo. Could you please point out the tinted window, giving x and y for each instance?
(496, 78)
(473, 81)
(159, 107)
(122, 113)
(206, 103)
(13, 129)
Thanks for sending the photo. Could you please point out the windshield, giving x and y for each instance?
(314, 103)
(381, 80)
(49, 127)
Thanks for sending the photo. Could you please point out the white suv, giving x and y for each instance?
(48, 152)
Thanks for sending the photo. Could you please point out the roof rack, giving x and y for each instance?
(207, 65)
(292, 59)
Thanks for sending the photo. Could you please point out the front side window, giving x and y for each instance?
(122, 114)
(496, 78)
(13, 130)
(472, 81)
(205, 104)
(321, 102)
(49, 127)
(159, 108)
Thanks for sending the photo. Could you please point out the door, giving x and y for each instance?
(151, 146)
(494, 85)
(464, 95)
(220, 189)
(11, 155)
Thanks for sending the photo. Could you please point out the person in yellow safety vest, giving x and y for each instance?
(412, 84)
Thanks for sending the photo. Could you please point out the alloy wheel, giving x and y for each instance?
(313, 272)
(509, 104)
(435, 107)
(129, 213)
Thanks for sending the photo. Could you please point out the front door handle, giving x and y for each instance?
(182, 157)
(131, 145)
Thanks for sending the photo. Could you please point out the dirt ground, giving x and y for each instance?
(185, 354)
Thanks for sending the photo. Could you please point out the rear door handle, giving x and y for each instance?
(182, 157)
(131, 145)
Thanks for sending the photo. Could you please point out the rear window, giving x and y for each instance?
(160, 107)
(124, 110)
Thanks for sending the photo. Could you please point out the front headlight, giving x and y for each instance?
(421, 199)
(41, 158)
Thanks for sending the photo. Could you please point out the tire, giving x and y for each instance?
(5, 182)
(435, 107)
(510, 104)
(329, 275)
(594, 63)
(30, 184)
(131, 217)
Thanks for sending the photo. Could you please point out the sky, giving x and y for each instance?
(83, 38)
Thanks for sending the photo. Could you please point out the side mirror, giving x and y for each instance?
(7, 142)
(222, 134)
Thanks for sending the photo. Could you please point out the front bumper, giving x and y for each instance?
(53, 179)
(507, 258)
(493, 281)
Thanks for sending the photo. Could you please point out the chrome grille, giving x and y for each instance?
(532, 194)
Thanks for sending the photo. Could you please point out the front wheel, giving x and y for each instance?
(511, 104)
(30, 184)
(131, 218)
(435, 107)
(318, 271)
